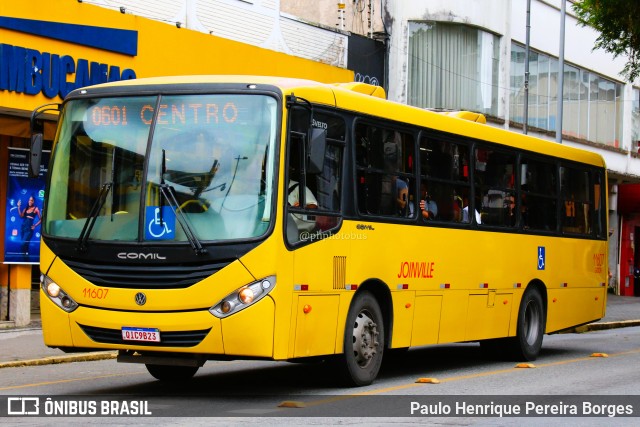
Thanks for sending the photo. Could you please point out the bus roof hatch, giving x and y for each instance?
(364, 88)
(467, 115)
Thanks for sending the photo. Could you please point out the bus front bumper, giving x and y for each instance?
(248, 333)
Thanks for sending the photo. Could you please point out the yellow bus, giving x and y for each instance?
(220, 217)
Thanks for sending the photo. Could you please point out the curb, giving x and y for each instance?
(604, 326)
(53, 360)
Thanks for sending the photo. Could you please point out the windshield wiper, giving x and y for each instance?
(93, 215)
(167, 192)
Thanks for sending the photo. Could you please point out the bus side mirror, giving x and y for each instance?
(35, 155)
(317, 147)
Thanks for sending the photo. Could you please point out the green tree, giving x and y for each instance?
(618, 22)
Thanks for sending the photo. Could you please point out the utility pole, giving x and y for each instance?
(561, 74)
(526, 70)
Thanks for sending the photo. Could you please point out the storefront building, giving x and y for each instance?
(48, 49)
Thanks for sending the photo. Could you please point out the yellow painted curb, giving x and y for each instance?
(53, 360)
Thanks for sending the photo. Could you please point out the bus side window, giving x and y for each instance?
(384, 168)
(576, 200)
(538, 194)
(495, 182)
(600, 217)
(445, 177)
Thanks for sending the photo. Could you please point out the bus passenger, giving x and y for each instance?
(402, 196)
(457, 209)
(465, 214)
(305, 223)
(428, 207)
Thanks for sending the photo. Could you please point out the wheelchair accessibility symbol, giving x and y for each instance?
(160, 227)
(541, 257)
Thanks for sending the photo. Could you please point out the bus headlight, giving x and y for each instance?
(57, 294)
(243, 297)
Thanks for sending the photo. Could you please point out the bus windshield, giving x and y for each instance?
(163, 168)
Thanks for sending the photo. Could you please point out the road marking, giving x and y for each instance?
(461, 377)
(66, 381)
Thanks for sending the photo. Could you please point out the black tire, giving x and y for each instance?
(527, 343)
(173, 374)
(531, 325)
(363, 341)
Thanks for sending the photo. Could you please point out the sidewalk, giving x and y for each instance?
(25, 346)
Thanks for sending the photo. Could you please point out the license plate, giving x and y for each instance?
(141, 334)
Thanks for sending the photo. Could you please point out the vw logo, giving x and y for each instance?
(141, 299)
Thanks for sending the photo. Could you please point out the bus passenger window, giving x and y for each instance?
(495, 184)
(384, 162)
(600, 214)
(576, 200)
(538, 194)
(444, 170)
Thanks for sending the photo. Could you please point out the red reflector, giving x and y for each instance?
(304, 287)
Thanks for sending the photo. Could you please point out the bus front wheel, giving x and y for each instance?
(170, 373)
(363, 340)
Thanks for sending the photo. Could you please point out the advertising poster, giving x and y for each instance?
(25, 198)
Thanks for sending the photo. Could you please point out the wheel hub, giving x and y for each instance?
(365, 339)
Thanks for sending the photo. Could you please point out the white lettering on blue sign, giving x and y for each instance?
(541, 257)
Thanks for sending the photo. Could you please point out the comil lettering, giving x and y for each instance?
(29, 71)
(416, 270)
(139, 255)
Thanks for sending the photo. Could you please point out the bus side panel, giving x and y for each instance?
(488, 315)
(562, 302)
(316, 325)
(426, 320)
(404, 307)
(453, 322)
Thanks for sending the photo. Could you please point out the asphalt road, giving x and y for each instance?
(572, 370)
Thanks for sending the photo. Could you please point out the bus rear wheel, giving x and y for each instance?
(531, 324)
(169, 373)
(527, 343)
(363, 340)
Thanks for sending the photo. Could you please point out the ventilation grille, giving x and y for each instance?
(339, 272)
(145, 276)
(167, 339)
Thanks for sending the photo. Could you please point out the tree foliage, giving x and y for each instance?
(618, 22)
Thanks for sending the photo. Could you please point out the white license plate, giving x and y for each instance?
(141, 334)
